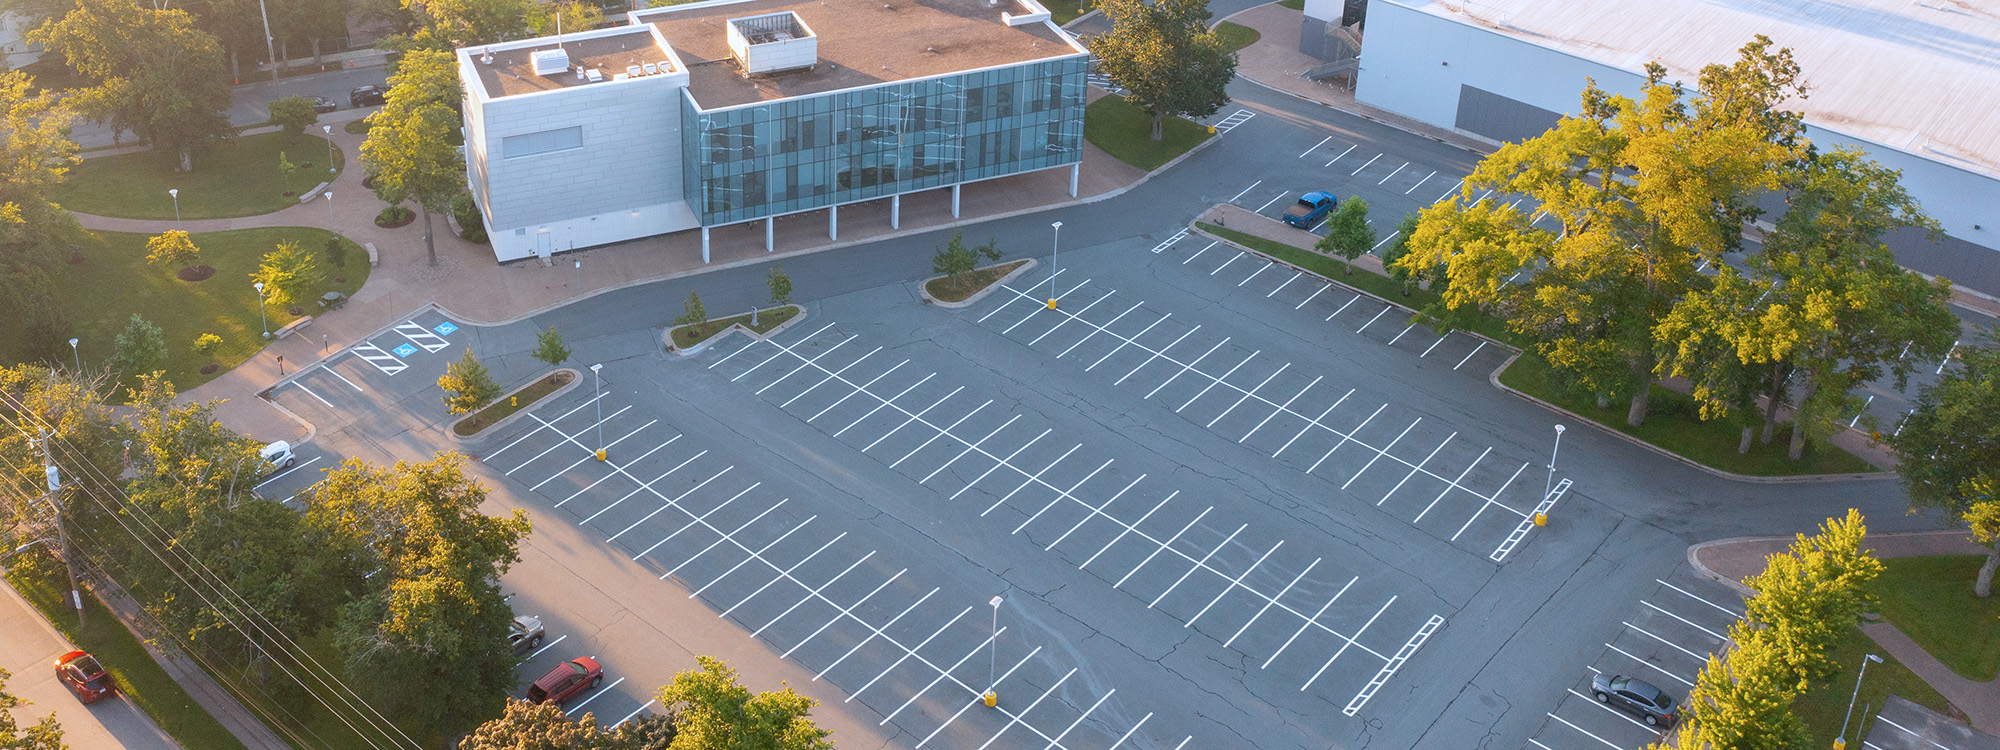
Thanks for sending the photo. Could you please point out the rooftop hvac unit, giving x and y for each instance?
(549, 62)
(650, 68)
(772, 42)
(632, 71)
(593, 75)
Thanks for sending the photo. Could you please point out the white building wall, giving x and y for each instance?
(623, 183)
(1414, 64)
(1324, 10)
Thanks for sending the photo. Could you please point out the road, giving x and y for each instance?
(28, 649)
(247, 102)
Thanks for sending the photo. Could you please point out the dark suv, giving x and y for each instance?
(370, 95)
(1636, 696)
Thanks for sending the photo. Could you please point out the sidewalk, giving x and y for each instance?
(28, 646)
(1732, 560)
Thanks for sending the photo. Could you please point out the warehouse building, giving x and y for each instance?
(1914, 84)
(696, 116)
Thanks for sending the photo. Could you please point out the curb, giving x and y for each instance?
(667, 334)
(575, 381)
(1694, 561)
(924, 287)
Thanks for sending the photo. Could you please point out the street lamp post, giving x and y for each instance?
(1841, 741)
(993, 656)
(260, 308)
(77, 358)
(597, 388)
(1550, 484)
(328, 129)
(1055, 253)
(329, 213)
(176, 193)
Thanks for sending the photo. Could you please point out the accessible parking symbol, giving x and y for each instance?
(405, 350)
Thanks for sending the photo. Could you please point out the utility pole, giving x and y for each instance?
(62, 532)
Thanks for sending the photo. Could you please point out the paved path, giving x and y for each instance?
(28, 646)
(1732, 560)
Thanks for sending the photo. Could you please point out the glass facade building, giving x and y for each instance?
(769, 158)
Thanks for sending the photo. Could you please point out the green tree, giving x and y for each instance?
(154, 73)
(714, 711)
(336, 252)
(141, 348)
(957, 262)
(293, 114)
(549, 347)
(575, 16)
(206, 344)
(467, 385)
(448, 24)
(287, 168)
(1348, 234)
(1809, 597)
(1736, 705)
(34, 128)
(172, 248)
(43, 735)
(409, 151)
(1167, 58)
(695, 314)
(1399, 248)
(290, 275)
(69, 404)
(1643, 190)
(543, 726)
(780, 284)
(1983, 518)
(1948, 446)
(427, 637)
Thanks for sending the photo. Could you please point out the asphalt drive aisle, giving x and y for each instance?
(1305, 623)
(835, 601)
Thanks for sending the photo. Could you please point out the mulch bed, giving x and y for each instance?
(195, 273)
(508, 405)
(944, 291)
(408, 216)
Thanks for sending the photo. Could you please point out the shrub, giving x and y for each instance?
(471, 225)
(336, 252)
(206, 344)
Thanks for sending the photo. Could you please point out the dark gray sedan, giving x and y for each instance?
(1636, 696)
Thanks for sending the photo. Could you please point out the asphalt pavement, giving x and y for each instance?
(29, 648)
(247, 102)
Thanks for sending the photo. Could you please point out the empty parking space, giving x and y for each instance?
(842, 606)
(1304, 621)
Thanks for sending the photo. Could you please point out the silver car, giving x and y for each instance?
(525, 634)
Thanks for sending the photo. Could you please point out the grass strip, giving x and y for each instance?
(43, 583)
(1298, 5)
(1236, 36)
(1824, 707)
(1065, 11)
(687, 336)
(511, 403)
(1673, 420)
(1126, 132)
(943, 290)
(1930, 599)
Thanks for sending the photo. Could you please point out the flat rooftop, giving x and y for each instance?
(512, 71)
(1920, 76)
(861, 43)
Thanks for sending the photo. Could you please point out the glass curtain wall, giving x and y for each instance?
(810, 152)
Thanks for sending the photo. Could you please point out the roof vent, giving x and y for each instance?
(632, 71)
(651, 68)
(486, 56)
(772, 42)
(549, 62)
(593, 75)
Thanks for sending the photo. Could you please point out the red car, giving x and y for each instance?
(566, 681)
(84, 676)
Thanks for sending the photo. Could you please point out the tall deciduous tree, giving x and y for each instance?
(1947, 448)
(293, 114)
(141, 348)
(1166, 57)
(35, 154)
(543, 726)
(172, 248)
(542, 17)
(957, 262)
(154, 73)
(713, 711)
(467, 385)
(427, 638)
(1983, 517)
(1348, 234)
(1643, 189)
(780, 284)
(549, 347)
(409, 150)
(43, 735)
(289, 274)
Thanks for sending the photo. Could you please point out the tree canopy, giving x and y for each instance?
(713, 711)
(1167, 58)
(1948, 448)
(409, 151)
(154, 73)
(42, 735)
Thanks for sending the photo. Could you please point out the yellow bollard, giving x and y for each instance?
(992, 699)
(1541, 519)
(1839, 743)
(514, 401)
(1052, 303)
(600, 454)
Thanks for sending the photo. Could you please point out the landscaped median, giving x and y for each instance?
(1672, 420)
(943, 291)
(520, 400)
(688, 339)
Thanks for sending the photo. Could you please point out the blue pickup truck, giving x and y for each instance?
(1310, 209)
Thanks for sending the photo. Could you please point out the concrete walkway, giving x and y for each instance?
(1732, 560)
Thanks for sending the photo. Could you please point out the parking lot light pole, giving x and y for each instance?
(993, 653)
(329, 213)
(1055, 253)
(1841, 741)
(328, 129)
(1551, 482)
(260, 308)
(176, 193)
(74, 357)
(597, 388)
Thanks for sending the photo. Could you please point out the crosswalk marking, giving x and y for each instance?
(388, 363)
(422, 336)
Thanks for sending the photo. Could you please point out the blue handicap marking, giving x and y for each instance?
(445, 328)
(405, 350)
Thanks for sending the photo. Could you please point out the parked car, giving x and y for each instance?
(370, 95)
(1637, 697)
(81, 673)
(277, 456)
(525, 634)
(324, 105)
(566, 681)
(1310, 209)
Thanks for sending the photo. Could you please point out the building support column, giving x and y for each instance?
(833, 222)
(704, 244)
(1074, 170)
(896, 211)
(954, 199)
(770, 234)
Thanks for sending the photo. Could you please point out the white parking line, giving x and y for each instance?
(1413, 471)
(1253, 186)
(1434, 345)
(1267, 605)
(1238, 581)
(1316, 293)
(635, 712)
(593, 696)
(1906, 730)
(1420, 183)
(343, 378)
(1690, 623)
(302, 386)
(1703, 658)
(1218, 269)
(1398, 171)
(1363, 166)
(1613, 711)
(1246, 279)
(524, 436)
(1656, 667)
(558, 444)
(607, 446)
(1350, 642)
(787, 574)
(1274, 199)
(1246, 396)
(1447, 193)
(282, 474)
(1198, 253)
(1468, 355)
(1385, 240)
(1342, 154)
(1587, 733)
(1343, 307)
(1031, 706)
(1371, 321)
(856, 693)
(1315, 147)
(1725, 610)
(549, 645)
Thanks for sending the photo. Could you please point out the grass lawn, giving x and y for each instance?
(1298, 5)
(114, 281)
(357, 127)
(1671, 421)
(1125, 131)
(1930, 599)
(238, 178)
(686, 336)
(508, 405)
(1236, 36)
(1823, 707)
(1065, 11)
(44, 584)
(942, 288)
